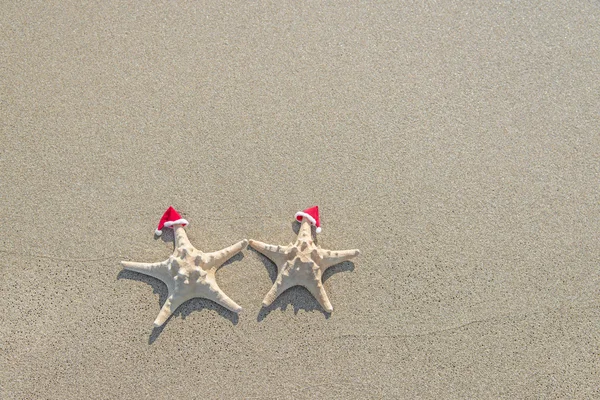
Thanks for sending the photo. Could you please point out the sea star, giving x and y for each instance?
(189, 273)
(302, 263)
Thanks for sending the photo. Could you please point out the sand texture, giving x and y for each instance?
(455, 143)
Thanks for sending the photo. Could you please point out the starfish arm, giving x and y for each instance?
(181, 239)
(277, 254)
(327, 258)
(159, 270)
(305, 231)
(218, 296)
(280, 286)
(168, 309)
(218, 258)
(318, 291)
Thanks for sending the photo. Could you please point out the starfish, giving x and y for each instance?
(302, 263)
(189, 273)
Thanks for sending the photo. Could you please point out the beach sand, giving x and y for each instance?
(457, 144)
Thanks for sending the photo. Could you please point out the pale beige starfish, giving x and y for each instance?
(189, 273)
(302, 263)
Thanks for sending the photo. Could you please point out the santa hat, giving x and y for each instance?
(170, 217)
(311, 214)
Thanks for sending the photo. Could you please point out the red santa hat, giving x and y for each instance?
(311, 214)
(170, 217)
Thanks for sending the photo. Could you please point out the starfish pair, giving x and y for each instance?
(190, 273)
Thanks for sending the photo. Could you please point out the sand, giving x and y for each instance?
(456, 144)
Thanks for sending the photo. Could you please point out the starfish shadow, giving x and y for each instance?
(298, 296)
(167, 236)
(341, 267)
(190, 306)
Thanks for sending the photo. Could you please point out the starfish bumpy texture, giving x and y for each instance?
(302, 263)
(189, 273)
